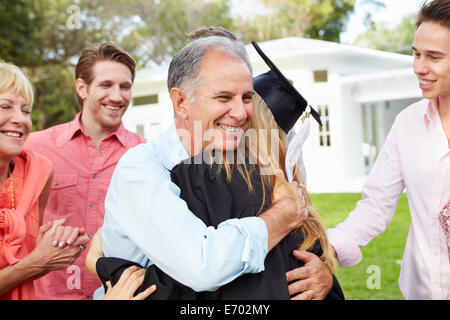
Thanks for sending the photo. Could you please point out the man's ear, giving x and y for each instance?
(180, 103)
(81, 88)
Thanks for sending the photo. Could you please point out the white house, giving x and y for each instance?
(357, 91)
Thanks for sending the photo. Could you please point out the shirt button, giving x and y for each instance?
(91, 205)
(90, 235)
(56, 183)
(94, 176)
(102, 151)
(90, 148)
(88, 296)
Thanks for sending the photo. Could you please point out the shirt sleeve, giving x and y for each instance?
(380, 196)
(145, 216)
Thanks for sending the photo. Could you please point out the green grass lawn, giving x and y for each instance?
(383, 252)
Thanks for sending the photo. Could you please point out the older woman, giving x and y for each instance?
(27, 251)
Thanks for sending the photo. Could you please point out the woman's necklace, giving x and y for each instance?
(11, 186)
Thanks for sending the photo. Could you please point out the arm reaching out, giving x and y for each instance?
(95, 252)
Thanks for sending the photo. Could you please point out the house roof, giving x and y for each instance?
(156, 73)
(296, 52)
(316, 54)
(297, 45)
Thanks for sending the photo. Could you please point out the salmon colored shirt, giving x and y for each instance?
(82, 175)
(19, 227)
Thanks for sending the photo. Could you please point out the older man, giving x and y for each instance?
(211, 88)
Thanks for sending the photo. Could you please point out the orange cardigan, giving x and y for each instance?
(19, 228)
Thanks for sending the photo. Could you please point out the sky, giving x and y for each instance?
(393, 12)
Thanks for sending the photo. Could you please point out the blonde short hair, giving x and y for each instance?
(11, 77)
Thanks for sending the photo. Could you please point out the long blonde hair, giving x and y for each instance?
(268, 133)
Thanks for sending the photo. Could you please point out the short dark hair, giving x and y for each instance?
(437, 11)
(103, 52)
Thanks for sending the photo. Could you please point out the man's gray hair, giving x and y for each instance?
(184, 68)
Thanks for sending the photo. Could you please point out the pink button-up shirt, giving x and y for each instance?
(82, 176)
(415, 156)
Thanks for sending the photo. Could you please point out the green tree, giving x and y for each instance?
(45, 38)
(37, 36)
(369, 7)
(160, 27)
(317, 19)
(397, 39)
(17, 24)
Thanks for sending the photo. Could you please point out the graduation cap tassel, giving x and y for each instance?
(306, 113)
(295, 148)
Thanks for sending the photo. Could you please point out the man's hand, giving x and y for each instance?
(313, 281)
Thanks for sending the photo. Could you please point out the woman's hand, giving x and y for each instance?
(63, 235)
(48, 257)
(44, 258)
(130, 280)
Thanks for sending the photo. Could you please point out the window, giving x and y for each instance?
(324, 131)
(370, 143)
(143, 100)
(140, 130)
(321, 76)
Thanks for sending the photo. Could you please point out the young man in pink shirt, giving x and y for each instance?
(84, 153)
(415, 156)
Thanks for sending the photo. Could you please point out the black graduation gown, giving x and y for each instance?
(212, 199)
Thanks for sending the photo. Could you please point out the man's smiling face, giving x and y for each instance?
(222, 102)
(432, 59)
(107, 98)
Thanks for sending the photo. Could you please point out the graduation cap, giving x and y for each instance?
(283, 100)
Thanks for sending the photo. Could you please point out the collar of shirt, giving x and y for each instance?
(431, 114)
(74, 127)
(434, 124)
(170, 149)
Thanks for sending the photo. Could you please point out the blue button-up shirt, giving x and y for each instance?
(147, 222)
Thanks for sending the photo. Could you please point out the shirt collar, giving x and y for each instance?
(171, 149)
(71, 130)
(74, 128)
(122, 135)
(430, 112)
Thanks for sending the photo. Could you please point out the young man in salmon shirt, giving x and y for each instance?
(415, 157)
(84, 153)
